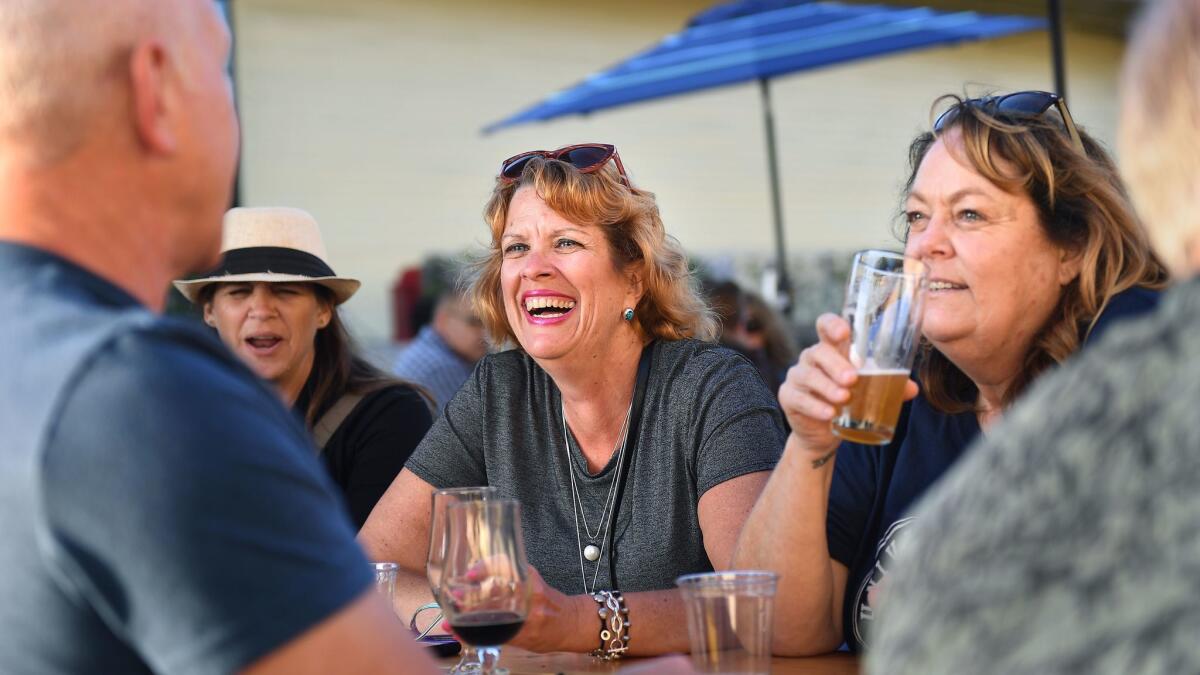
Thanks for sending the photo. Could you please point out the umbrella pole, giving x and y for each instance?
(1054, 8)
(785, 285)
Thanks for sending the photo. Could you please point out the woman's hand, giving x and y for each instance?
(554, 620)
(819, 384)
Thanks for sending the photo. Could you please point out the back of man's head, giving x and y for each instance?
(1160, 128)
(61, 69)
(118, 140)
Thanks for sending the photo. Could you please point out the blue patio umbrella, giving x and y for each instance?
(760, 39)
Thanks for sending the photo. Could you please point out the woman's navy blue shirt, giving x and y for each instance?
(874, 486)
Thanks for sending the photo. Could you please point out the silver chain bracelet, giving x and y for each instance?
(614, 625)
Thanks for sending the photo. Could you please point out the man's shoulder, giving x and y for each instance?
(161, 400)
(166, 355)
(425, 348)
(166, 382)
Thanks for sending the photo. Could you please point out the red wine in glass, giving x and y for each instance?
(487, 629)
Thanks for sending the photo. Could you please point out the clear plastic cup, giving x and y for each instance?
(385, 579)
(730, 619)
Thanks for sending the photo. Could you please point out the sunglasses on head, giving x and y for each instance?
(585, 157)
(1016, 105)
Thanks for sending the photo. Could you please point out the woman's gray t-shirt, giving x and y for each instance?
(707, 417)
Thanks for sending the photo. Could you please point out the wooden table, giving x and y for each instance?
(521, 662)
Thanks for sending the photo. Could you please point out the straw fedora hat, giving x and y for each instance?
(271, 244)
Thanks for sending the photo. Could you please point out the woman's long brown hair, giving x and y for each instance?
(1082, 207)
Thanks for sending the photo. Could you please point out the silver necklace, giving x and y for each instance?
(591, 552)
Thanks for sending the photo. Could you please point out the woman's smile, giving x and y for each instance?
(546, 307)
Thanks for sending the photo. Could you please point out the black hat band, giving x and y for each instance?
(271, 259)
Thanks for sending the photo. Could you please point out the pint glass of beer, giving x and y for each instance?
(884, 303)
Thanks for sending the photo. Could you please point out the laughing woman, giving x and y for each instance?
(274, 303)
(635, 445)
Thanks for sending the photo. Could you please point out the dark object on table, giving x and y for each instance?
(442, 645)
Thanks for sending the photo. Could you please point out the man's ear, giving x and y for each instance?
(208, 315)
(149, 76)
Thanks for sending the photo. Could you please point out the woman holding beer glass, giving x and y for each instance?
(1031, 249)
(635, 445)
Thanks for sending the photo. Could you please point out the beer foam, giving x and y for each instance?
(875, 370)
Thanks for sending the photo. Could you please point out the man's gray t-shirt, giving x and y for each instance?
(707, 417)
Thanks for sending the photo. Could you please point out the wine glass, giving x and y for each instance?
(484, 589)
(437, 552)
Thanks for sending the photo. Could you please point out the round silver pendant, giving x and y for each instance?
(591, 553)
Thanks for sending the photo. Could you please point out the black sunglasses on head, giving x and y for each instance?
(1016, 105)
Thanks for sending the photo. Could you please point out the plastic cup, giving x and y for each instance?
(385, 579)
(730, 619)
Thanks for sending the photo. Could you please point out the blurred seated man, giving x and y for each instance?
(161, 511)
(1067, 541)
(444, 352)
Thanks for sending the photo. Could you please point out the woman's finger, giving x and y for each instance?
(833, 329)
(832, 363)
(809, 407)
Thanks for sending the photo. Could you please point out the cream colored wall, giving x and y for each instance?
(367, 113)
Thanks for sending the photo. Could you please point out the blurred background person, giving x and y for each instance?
(752, 327)
(1067, 541)
(1032, 249)
(635, 444)
(273, 301)
(444, 352)
(765, 332)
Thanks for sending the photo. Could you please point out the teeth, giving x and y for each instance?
(942, 286)
(542, 302)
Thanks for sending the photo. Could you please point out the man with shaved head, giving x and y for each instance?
(159, 510)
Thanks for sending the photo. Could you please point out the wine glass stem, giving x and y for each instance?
(489, 660)
(469, 663)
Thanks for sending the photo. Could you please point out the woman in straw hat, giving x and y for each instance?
(273, 300)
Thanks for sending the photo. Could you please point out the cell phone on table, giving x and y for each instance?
(442, 645)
